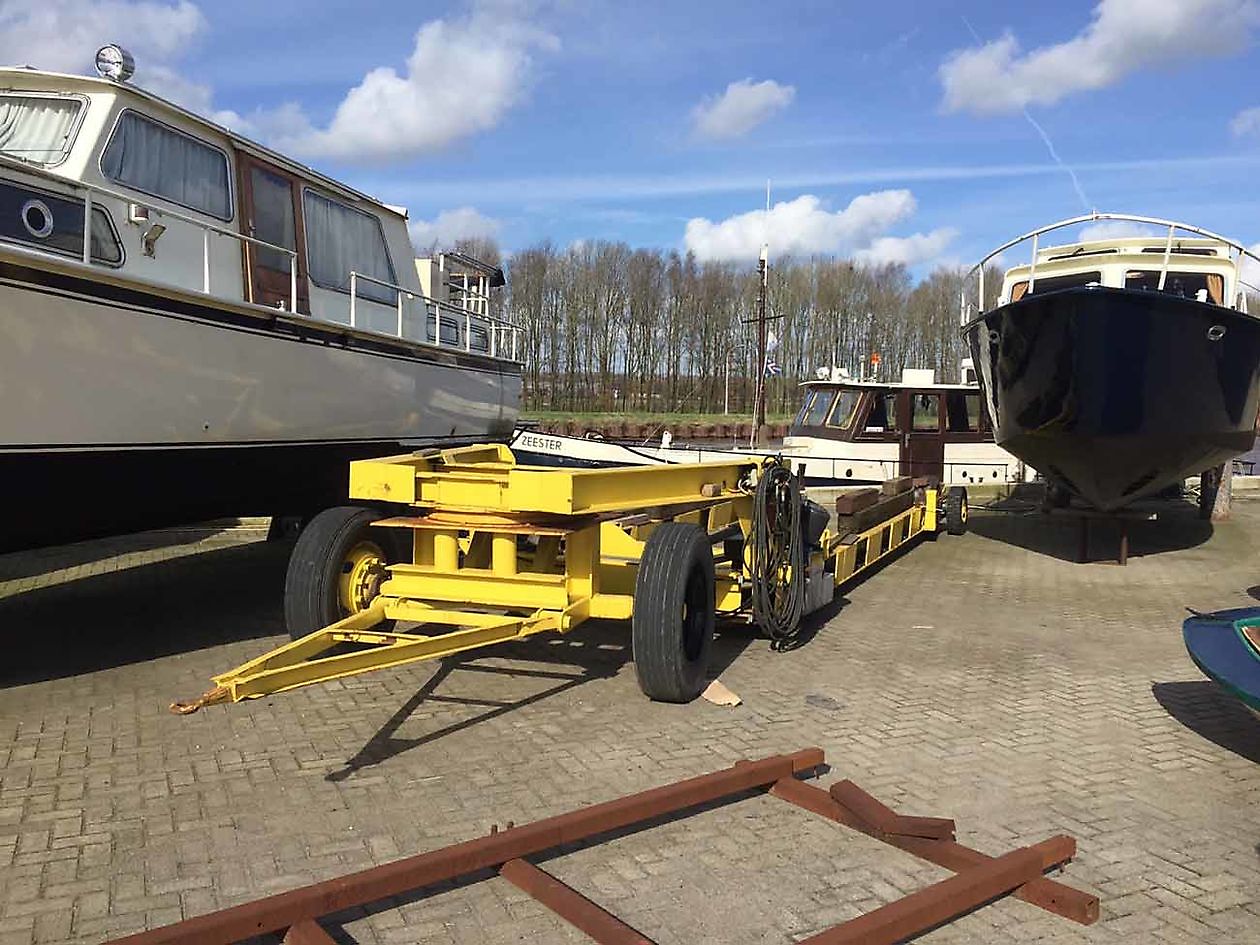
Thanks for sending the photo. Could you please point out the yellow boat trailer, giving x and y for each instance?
(454, 550)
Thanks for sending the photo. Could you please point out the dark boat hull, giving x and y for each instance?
(1116, 394)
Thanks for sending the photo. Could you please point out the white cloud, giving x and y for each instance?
(1113, 230)
(63, 35)
(908, 250)
(800, 226)
(1246, 123)
(743, 106)
(461, 78)
(1124, 37)
(450, 226)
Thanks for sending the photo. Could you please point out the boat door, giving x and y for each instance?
(922, 434)
(271, 210)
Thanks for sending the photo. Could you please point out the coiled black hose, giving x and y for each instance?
(777, 562)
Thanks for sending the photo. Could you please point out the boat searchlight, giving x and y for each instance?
(114, 62)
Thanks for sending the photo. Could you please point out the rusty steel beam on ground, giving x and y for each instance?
(883, 818)
(285, 910)
(1045, 893)
(927, 908)
(565, 901)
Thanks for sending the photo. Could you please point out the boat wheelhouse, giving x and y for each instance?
(867, 431)
(193, 325)
(1117, 367)
(847, 432)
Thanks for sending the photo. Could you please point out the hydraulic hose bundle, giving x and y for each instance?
(777, 561)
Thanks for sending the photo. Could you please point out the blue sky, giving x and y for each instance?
(579, 120)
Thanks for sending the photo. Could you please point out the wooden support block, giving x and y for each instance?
(849, 503)
(897, 485)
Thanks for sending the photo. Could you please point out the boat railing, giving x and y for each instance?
(91, 191)
(967, 310)
(502, 336)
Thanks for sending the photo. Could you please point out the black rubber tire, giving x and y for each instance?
(956, 510)
(1209, 484)
(310, 584)
(672, 625)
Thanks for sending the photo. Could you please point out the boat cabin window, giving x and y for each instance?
(49, 222)
(816, 408)
(1205, 286)
(479, 339)
(450, 331)
(926, 417)
(155, 159)
(882, 417)
(846, 406)
(962, 412)
(38, 128)
(1073, 280)
(341, 239)
(273, 218)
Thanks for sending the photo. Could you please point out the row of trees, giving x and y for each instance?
(608, 327)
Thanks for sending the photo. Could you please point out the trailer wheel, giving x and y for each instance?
(672, 624)
(336, 567)
(956, 511)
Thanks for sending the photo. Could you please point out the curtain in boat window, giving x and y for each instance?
(37, 128)
(161, 161)
(340, 239)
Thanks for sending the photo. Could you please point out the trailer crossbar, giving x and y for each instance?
(979, 879)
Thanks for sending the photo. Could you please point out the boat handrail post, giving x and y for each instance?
(1163, 272)
(399, 297)
(467, 330)
(205, 261)
(293, 264)
(1032, 269)
(354, 284)
(87, 226)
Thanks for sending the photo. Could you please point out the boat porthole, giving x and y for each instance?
(964, 475)
(994, 337)
(37, 219)
(1216, 333)
(848, 474)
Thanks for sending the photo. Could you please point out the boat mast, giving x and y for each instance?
(759, 398)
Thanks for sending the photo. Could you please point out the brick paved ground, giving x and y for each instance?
(985, 678)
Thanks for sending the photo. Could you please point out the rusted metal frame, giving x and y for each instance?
(938, 903)
(884, 819)
(285, 910)
(1044, 893)
(600, 925)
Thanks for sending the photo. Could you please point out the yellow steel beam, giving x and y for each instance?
(462, 480)
(524, 590)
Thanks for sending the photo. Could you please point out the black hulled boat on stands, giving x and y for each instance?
(1118, 367)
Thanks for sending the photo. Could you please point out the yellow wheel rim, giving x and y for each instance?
(964, 511)
(362, 571)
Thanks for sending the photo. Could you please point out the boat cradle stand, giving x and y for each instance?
(978, 878)
(501, 551)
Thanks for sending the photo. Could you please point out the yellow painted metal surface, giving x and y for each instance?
(502, 551)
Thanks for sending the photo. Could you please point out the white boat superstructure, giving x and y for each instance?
(847, 431)
(226, 311)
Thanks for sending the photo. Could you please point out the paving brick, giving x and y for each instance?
(988, 678)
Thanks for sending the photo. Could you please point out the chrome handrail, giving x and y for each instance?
(1172, 225)
(492, 323)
